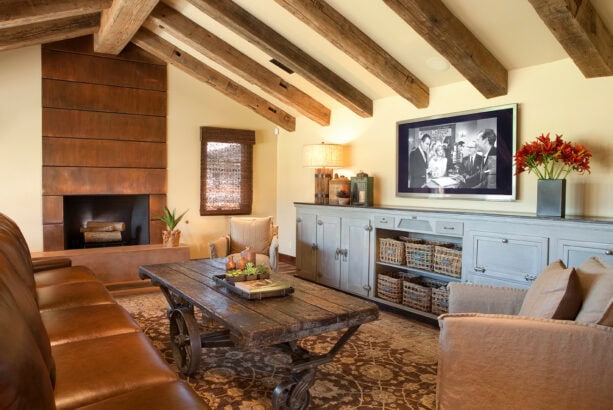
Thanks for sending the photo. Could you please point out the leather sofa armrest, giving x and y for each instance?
(466, 297)
(273, 253)
(524, 363)
(42, 264)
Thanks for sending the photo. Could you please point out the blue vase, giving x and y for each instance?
(551, 198)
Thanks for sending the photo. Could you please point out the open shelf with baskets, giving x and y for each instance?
(412, 270)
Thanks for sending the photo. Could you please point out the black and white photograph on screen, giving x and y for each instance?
(463, 155)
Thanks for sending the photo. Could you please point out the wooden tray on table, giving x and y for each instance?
(255, 289)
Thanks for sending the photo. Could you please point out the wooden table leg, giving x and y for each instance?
(294, 394)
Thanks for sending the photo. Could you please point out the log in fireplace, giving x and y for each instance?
(89, 213)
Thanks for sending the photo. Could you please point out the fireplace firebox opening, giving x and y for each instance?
(105, 220)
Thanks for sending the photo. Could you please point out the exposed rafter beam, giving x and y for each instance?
(255, 31)
(19, 12)
(48, 31)
(171, 54)
(334, 27)
(119, 23)
(580, 30)
(180, 27)
(446, 33)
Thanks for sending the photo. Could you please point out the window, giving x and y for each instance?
(226, 174)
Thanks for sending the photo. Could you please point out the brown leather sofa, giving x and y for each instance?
(65, 343)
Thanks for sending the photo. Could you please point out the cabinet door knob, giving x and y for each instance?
(336, 253)
(505, 241)
(529, 278)
(298, 220)
(609, 252)
(314, 246)
(366, 288)
(320, 222)
(479, 269)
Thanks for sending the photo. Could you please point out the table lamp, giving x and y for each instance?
(322, 157)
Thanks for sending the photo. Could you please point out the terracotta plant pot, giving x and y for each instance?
(171, 239)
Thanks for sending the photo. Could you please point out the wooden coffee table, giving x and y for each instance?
(280, 321)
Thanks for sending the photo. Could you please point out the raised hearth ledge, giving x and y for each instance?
(116, 265)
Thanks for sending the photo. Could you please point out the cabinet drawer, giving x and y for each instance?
(449, 228)
(574, 253)
(514, 259)
(384, 221)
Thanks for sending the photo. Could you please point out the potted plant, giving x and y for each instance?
(552, 161)
(171, 236)
(343, 197)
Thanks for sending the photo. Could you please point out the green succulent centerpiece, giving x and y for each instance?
(171, 236)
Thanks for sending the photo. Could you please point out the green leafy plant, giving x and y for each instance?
(170, 218)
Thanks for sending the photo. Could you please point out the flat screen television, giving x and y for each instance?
(461, 155)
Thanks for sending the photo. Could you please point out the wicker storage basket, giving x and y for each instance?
(417, 296)
(421, 255)
(440, 300)
(448, 260)
(389, 285)
(392, 251)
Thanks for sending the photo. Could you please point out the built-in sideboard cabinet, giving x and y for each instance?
(338, 246)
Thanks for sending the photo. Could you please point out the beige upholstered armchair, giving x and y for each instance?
(550, 347)
(258, 233)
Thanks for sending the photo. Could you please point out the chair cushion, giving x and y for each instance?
(596, 279)
(87, 322)
(62, 276)
(555, 294)
(114, 365)
(72, 295)
(253, 232)
(171, 395)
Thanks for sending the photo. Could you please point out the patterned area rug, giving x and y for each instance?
(387, 364)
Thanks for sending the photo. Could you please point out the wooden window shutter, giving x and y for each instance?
(226, 171)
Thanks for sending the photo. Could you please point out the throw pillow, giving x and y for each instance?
(596, 279)
(555, 294)
(254, 232)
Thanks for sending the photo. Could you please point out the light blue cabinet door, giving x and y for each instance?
(328, 247)
(507, 259)
(306, 245)
(574, 253)
(355, 255)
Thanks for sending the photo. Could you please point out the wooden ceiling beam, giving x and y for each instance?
(119, 23)
(446, 34)
(278, 47)
(171, 54)
(334, 27)
(48, 31)
(580, 30)
(18, 12)
(183, 29)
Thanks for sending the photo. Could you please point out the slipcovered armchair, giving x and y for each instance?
(527, 349)
(258, 233)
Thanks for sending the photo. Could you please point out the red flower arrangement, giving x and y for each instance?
(552, 159)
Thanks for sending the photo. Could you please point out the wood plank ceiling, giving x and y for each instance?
(158, 28)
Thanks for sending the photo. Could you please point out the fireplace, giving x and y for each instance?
(131, 210)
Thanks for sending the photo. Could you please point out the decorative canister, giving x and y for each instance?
(338, 183)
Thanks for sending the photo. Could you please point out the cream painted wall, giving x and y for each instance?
(552, 97)
(191, 105)
(20, 141)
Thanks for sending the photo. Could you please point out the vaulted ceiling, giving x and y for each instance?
(330, 53)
